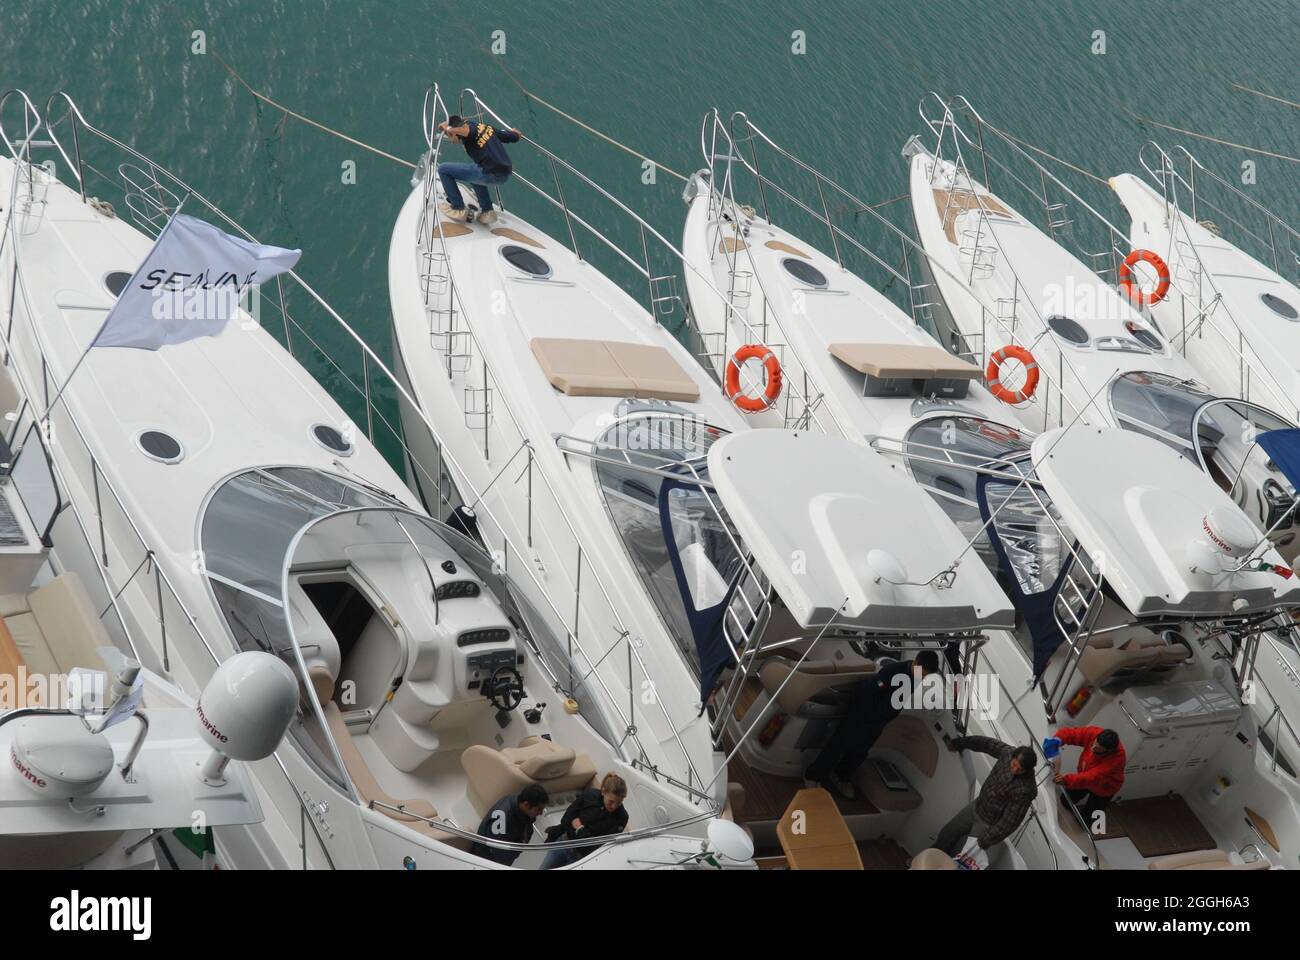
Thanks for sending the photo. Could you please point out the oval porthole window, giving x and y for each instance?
(804, 272)
(1144, 336)
(160, 446)
(525, 261)
(1068, 330)
(1279, 306)
(116, 282)
(332, 439)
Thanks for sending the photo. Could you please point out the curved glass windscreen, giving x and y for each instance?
(1226, 444)
(251, 519)
(1162, 407)
(677, 535)
(944, 454)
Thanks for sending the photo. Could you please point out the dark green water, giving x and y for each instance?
(645, 73)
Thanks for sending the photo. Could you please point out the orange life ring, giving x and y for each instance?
(1136, 293)
(743, 401)
(993, 374)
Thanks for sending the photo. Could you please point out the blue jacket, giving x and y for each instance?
(484, 146)
(505, 821)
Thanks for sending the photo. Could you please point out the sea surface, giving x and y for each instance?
(837, 82)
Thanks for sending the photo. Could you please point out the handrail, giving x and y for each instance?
(446, 825)
(1118, 239)
(434, 104)
(463, 484)
(433, 97)
(1170, 179)
(922, 311)
(82, 170)
(1189, 184)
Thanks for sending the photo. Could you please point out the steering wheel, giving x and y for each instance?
(505, 688)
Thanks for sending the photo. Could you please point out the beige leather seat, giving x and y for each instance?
(811, 678)
(1204, 860)
(55, 627)
(1118, 648)
(494, 774)
(369, 790)
(906, 737)
(932, 858)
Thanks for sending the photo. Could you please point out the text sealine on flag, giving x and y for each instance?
(189, 285)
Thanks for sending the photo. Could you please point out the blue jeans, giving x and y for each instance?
(472, 174)
(562, 857)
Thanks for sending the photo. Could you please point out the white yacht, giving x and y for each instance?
(215, 499)
(1221, 301)
(612, 449)
(1144, 597)
(1101, 359)
(554, 389)
(882, 378)
(1231, 306)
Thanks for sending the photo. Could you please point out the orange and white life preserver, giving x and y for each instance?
(993, 375)
(1130, 287)
(743, 401)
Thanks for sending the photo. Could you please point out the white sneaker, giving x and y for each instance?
(487, 217)
(451, 213)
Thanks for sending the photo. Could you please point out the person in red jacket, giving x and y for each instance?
(1101, 768)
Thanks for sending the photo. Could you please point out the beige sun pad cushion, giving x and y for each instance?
(609, 368)
(903, 361)
(730, 245)
(954, 204)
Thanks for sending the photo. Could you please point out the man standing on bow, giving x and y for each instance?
(491, 166)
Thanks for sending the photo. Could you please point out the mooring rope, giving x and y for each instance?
(1266, 96)
(1204, 136)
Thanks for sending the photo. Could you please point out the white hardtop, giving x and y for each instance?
(1152, 524)
(847, 536)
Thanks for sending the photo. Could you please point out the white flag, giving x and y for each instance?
(189, 285)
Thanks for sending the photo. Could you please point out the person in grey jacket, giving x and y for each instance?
(1003, 800)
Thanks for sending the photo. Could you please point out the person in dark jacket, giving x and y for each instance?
(491, 166)
(511, 819)
(1003, 800)
(873, 702)
(596, 813)
(1101, 769)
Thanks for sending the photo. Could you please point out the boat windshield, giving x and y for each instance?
(1226, 433)
(677, 535)
(946, 455)
(1162, 407)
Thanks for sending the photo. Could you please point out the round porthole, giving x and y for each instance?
(332, 439)
(1068, 330)
(160, 446)
(116, 282)
(1279, 306)
(525, 261)
(1144, 336)
(804, 272)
